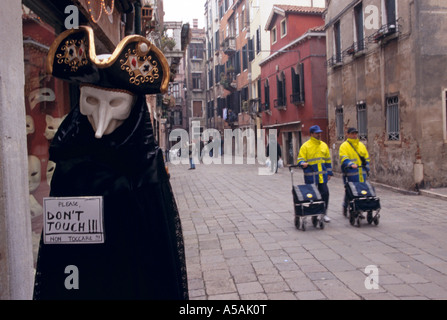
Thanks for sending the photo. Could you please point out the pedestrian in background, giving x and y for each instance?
(192, 150)
(315, 159)
(354, 159)
(274, 162)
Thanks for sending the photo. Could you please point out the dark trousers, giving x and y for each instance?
(324, 191)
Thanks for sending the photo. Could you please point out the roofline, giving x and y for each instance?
(277, 10)
(293, 43)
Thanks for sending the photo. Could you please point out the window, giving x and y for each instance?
(392, 118)
(243, 18)
(389, 17)
(339, 123)
(196, 50)
(197, 109)
(281, 90)
(177, 118)
(297, 95)
(210, 48)
(46, 102)
(337, 42)
(258, 40)
(245, 57)
(283, 28)
(266, 94)
(362, 121)
(274, 35)
(211, 78)
(236, 27)
(251, 50)
(358, 32)
(197, 81)
(175, 89)
(237, 66)
(217, 42)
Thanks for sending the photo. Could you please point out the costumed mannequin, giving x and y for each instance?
(105, 147)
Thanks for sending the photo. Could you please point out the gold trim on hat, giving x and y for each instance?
(116, 53)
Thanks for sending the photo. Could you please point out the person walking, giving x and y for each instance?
(274, 161)
(354, 159)
(314, 157)
(192, 151)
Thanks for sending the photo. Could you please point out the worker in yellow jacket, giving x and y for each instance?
(354, 159)
(315, 159)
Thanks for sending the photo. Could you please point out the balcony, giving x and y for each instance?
(228, 80)
(265, 107)
(335, 61)
(255, 106)
(280, 104)
(356, 49)
(386, 32)
(229, 46)
(297, 99)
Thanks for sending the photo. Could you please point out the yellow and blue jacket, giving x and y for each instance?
(348, 157)
(316, 153)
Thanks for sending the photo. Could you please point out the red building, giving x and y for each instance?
(294, 85)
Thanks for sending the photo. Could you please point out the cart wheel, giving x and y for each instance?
(303, 224)
(358, 221)
(321, 224)
(352, 219)
(315, 221)
(376, 221)
(369, 217)
(297, 222)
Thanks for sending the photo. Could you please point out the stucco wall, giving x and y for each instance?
(407, 66)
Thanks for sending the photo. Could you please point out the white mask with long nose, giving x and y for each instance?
(105, 109)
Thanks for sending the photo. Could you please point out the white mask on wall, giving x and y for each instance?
(105, 109)
(34, 171)
(30, 128)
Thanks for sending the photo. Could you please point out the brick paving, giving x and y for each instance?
(241, 242)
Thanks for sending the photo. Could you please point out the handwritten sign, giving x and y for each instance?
(73, 220)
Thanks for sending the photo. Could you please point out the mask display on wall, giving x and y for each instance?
(53, 124)
(34, 172)
(30, 128)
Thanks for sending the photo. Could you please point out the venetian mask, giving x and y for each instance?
(106, 109)
(30, 125)
(53, 124)
(34, 172)
(50, 170)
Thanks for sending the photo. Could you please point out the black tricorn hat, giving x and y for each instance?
(136, 65)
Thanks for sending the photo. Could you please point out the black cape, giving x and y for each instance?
(143, 253)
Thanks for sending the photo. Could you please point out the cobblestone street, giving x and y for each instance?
(241, 242)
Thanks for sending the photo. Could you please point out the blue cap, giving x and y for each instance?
(315, 129)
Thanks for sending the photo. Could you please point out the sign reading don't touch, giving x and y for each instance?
(73, 220)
